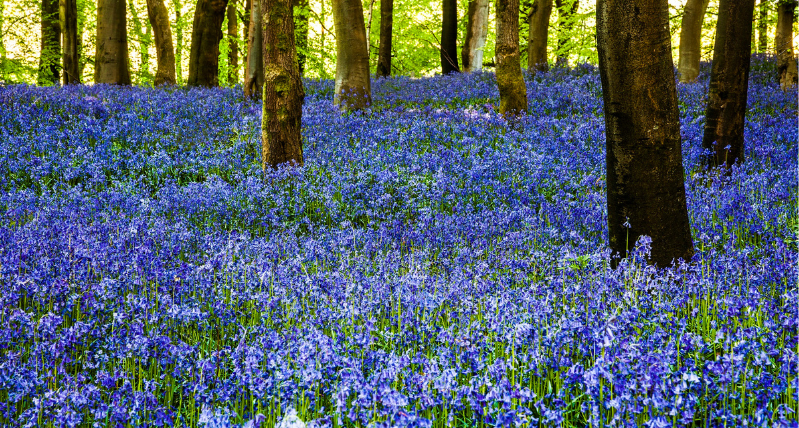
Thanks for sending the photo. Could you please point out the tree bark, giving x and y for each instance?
(206, 32)
(164, 51)
(178, 41)
(476, 33)
(111, 64)
(254, 78)
(729, 81)
(566, 11)
(302, 22)
(50, 54)
(645, 178)
(142, 32)
(783, 41)
(512, 90)
(353, 86)
(233, 45)
(449, 37)
(386, 27)
(762, 27)
(69, 17)
(538, 34)
(283, 91)
(691, 39)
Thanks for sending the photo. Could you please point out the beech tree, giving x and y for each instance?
(254, 76)
(691, 39)
(783, 42)
(512, 90)
(476, 33)
(449, 36)
(111, 64)
(386, 28)
(69, 18)
(538, 34)
(645, 178)
(50, 53)
(729, 81)
(566, 11)
(164, 50)
(353, 85)
(206, 32)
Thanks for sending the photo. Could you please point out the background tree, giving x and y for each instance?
(283, 91)
(69, 17)
(783, 43)
(386, 27)
(302, 13)
(233, 44)
(50, 53)
(691, 39)
(512, 90)
(178, 41)
(729, 81)
(164, 51)
(254, 76)
(142, 31)
(449, 36)
(476, 33)
(762, 27)
(538, 35)
(353, 85)
(206, 32)
(645, 181)
(566, 20)
(111, 63)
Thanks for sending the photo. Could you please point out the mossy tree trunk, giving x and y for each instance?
(254, 76)
(476, 33)
(691, 39)
(386, 28)
(783, 41)
(729, 81)
(645, 178)
(538, 35)
(111, 64)
(283, 92)
(353, 84)
(164, 50)
(206, 33)
(512, 90)
(69, 19)
(178, 41)
(449, 36)
(50, 54)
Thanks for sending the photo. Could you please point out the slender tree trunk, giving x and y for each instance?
(206, 32)
(111, 64)
(476, 33)
(566, 11)
(2, 42)
(178, 41)
(353, 86)
(645, 178)
(302, 22)
(538, 34)
(50, 57)
(729, 81)
(449, 37)
(142, 31)
(69, 16)
(82, 57)
(254, 78)
(691, 39)
(762, 27)
(512, 90)
(783, 41)
(233, 45)
(386, 27)
(164, 51)
(369, 30)
(283, 91)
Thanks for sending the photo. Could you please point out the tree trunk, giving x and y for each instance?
(368, 30)
(691, 39)
(538, 34)
(206, 32)
(233, 45)
(386, 27)
(566, 11)
(353, 87)
(69, 17)
(178, 42)
(645, 178)
(283, 91)
(111, 63)
(302, 21)
(254, 78)
(50, 56)
(164, 52)
(783, 41)
(762, 27)
(2, 42)
(512, 90)
(476, 33)
(449, 37)
(729, 81)
(142, 32)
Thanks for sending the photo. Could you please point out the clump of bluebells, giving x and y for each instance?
(431, 265)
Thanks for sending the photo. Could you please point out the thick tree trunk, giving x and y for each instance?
(386, 27)
(178, 42)
(111, 63)
(302, 22)
(566, 11)
(233, 45)
(538, 34)
(283, 91)
(645, 178)
(206, 32)
(691, 39)
(783, 41)
(512, 90)
(449, 37)
(50, 54)
(254, 77)
(476, 33)
(729, 81)
(164, 51)
(353, 87)
(69, 17)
